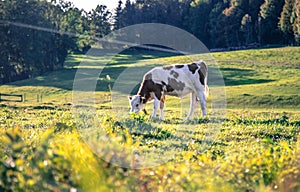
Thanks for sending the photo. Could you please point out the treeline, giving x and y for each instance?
(36, 36)
(220, 23)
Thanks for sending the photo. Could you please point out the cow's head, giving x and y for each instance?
(137, 103)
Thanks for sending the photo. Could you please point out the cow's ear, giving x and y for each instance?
(130, 98)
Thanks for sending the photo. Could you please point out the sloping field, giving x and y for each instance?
(263, 78)
(49, 144)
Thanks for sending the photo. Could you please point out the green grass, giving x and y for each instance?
(263, 78)
(45, 146)
(42, 149)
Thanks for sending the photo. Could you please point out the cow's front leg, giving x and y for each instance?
(193, 101)
(155, 106)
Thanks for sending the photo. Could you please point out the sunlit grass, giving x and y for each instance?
(250, 150)
(253, 147)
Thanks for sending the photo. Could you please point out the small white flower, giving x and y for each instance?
(73, 189)
(151, 173)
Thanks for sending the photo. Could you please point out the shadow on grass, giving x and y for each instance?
(238, 76)
(64, 78)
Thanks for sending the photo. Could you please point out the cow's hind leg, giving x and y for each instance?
(202, 99)
(155, 106)
(162, 106)
(193, 101)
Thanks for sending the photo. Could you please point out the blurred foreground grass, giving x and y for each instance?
(41, 149)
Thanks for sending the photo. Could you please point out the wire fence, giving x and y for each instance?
(11, 97)
(36, 98)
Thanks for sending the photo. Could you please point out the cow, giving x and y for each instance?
(175, 80)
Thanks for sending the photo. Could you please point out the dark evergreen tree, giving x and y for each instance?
(117, 16)
(296, 21)
(198, 20)
(100, 20)
(285, 22)
(129, 16)
(216, 27)
(247, 30)
(253, 11)
(232, 19)
(270, 13)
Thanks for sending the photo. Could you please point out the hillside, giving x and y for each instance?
(261, 78)
(47, 145)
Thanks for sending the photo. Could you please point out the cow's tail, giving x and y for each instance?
(206, 92)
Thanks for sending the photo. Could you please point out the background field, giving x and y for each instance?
(263, 78)
(254, 146)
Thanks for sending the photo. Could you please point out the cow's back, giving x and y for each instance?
(176, 79)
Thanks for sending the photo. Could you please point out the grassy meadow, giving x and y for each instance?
(251, 144)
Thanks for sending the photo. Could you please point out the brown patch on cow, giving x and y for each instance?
(158, 92)
(168, 67)
(143, 100)
(175, 74)
(193, 67)
(148, 87)
(175, 84)
(202, 73)
(204, 64)
(203, 67)
(167, 87)
(201, 77)
(179, 66)
(148, 76)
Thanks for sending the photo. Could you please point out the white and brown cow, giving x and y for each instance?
(175, 80)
